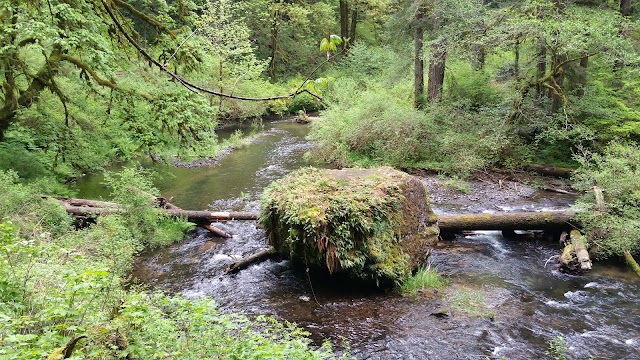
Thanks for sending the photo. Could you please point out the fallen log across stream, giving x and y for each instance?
(542, 220)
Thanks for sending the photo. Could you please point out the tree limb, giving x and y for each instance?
(142, 16)
(84, 66)
(187, 84)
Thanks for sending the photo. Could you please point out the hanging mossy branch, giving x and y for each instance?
(373, 224)
(189, 85)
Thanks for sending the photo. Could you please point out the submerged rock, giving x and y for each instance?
(363, 223)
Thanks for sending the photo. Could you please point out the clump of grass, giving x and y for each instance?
(471, 302)
(458, 185)
(424, 278)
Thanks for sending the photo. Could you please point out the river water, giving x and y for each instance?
(522, 303)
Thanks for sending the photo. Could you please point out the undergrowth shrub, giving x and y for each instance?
(58, 283)
(617, 172)
(133, 188)
(471, 89)
(372, 128)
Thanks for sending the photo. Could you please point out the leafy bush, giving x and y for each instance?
(557, 348)
(471, 89)
(29, 212)
(132, 187)
(617, 172)
(373, 127)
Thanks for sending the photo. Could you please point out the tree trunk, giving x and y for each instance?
(516, 60)
(479, 56)
(436, 71)
(625, 7)
(556, 95)
(495, 221)
(274, 44)
(582, 76)
(192, 215)
(541, 64)
(216, 231)
(508, 221)
(344, 22)
(418, 82)
(575, 257)
(354, 25)
(549, 170)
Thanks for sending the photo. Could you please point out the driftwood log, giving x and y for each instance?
(556, 171)
(575, 256)
(260, 256)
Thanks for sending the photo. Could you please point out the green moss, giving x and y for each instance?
(345, 222)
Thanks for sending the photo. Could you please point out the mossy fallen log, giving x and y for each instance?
(544, 220)
(632, 262)
(373, 224)
(450, 222)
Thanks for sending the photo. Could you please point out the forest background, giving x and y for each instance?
(85, 83)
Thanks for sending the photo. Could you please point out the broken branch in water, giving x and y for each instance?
(258, 257)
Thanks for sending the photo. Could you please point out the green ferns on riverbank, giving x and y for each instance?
(57, 283)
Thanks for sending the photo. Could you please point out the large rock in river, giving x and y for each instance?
(363, 223)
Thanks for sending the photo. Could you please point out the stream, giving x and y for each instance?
(597, 313)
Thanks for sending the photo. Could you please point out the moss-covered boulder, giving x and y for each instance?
(363, 223)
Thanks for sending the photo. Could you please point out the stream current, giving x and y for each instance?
(598, 313)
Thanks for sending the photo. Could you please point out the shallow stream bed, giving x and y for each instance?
(523, 303)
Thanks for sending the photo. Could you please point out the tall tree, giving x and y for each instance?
(418, 83)
(344, 22)
(625, 7)
(437, 62)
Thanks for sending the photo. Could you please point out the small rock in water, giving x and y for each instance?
(305, 298)
(441, 313)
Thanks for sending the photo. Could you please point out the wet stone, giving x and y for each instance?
(366, 224)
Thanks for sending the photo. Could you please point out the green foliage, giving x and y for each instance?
(376, 128)
(132, 187)
(471, 90)
(352, 224)
(457, 184)
(556, 349)
(617, 172)
(330, 45)
(27, 164)
(57, 283)
(23, 205)
(423, 279)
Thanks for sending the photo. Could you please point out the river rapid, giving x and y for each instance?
(523, 303)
